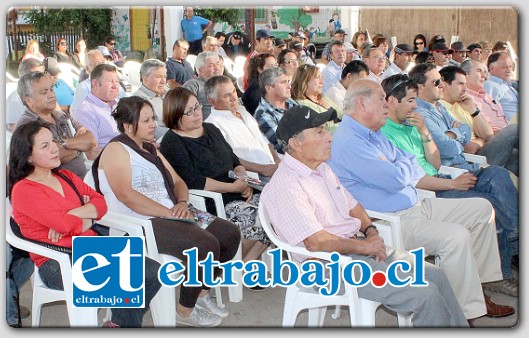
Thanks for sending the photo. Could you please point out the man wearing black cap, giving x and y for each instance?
(309, 207)
(441, 54)
(236, 45)
(326, 54)
(474, 51)
(460, 54)
(403, 53)
(263, 44)
(279, 45)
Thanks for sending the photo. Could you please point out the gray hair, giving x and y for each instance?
(213, 84)
(269, 77)
(24, 86)
(355, 90)
(90, 57)
(286, 146)
(27, 65)
(201, 59)
(150, 65)
(467, 65)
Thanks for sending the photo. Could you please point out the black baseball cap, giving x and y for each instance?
(299, 118)
(279, 42)
(263, 33)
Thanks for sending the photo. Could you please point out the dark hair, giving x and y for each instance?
(422, 57)
(435, 39)
(219, 34)
(257, 62)
(128, 111)
(418, 73)
(110, 38)
(174, 106)
(20, 150)
(377, 41)
(282, 56)
(354, 67)
(419, 36)
(449, 73)
(397, 85)
(495, 57)
(60, 40)
(500, 46)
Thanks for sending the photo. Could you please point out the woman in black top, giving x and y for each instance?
(252, 95)
(202, 158)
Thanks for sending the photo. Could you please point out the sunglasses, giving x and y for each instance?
(418, 43)
(112, 43)
(64, 43)
(437, 82)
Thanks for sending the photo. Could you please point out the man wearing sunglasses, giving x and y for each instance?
(441, 54)
(384, 179)
(451, 136)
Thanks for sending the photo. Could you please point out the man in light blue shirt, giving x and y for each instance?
(499, 84)
(192, 30)
(383, 178)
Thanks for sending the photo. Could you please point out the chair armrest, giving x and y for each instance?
(120, 222)
(425, 194)
(391, 233)
(482, 160)
(451, 171)
(216, 196)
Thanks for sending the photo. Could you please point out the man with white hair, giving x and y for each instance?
(207, 65)
(239, 128)
(499, 84)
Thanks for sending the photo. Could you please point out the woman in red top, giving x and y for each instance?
(47, 206)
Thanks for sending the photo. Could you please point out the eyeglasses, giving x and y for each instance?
(418, 43)
(112, 43)
(380, 58)
(292, 61)
(64, 43)
(193, 110)
(405, 79)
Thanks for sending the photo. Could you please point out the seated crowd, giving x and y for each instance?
(363, 132)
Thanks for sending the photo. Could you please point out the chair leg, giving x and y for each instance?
(336, 313)
(404, 321)
(317, 316)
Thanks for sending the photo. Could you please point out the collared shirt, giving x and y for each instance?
(331, 74)
(81, 92)
(301, 201)
(14, 108)
(193, 27)
(157, 103)
(374, 77)
(407, 138)
(268, 116)
(503, 93)
(244, 136)
(198, 87)
(180, 71)
(393, 69)
(95, 115)
(381, 176)
(460, 114)
(490, 109)
(337, 94)
(60, 130)
(438, 121)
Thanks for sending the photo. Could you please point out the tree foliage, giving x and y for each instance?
(95, 23)
(294, 17)
(228, 15)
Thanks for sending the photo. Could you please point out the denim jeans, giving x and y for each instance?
(50, 273)
(495, 185)
(502, 149)
(22, 269)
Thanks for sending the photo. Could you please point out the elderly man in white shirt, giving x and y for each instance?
(239, 128)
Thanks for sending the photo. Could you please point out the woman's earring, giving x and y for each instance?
(30, 161)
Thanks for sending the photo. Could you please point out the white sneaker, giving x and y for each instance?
(208, 304)
(199, 318)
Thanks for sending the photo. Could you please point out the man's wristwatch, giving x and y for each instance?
(428, 139)
(476, 113)
(371, 226)
(63, 143)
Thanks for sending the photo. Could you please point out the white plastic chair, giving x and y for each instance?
(131, 69)
(228, 64)
(78, 317)
(297, 298)
(69, 74)
(191, 58)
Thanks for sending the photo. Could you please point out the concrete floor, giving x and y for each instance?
(264, 309)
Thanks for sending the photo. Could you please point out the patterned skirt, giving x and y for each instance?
(244, 215)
